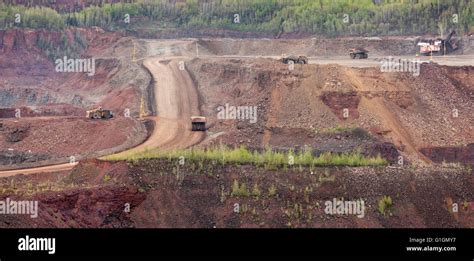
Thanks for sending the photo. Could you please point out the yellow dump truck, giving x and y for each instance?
(99, 113)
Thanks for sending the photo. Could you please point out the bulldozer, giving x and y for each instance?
(359, 53)
(99, 113)
(198, 123)
(438, 46)
(295, 59)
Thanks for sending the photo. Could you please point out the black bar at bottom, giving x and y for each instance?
(243, 242)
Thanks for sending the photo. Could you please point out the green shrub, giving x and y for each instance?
(256, 191)
(385, 205)
(272, 190)
(239, 191)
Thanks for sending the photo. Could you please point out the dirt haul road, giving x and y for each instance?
(372, 61)
(176, 101)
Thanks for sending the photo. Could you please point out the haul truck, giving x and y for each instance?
(99, 113)
(359, 53)
(198, 123)
(295, 59)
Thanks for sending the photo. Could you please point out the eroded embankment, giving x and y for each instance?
(461, 154)
(304, 105)
(162, 193)
(42, 110)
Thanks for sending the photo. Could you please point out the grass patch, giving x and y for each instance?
(338, 129)
(385, 205)
(268, 158)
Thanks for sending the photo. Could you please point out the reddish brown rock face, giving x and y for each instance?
(98, 193)
(451, 154)
(343, 105)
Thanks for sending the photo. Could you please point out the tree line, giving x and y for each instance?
(324, 17)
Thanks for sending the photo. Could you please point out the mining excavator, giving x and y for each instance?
(99, 113)
(438, 46)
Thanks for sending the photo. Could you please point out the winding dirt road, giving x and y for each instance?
(176, 101)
